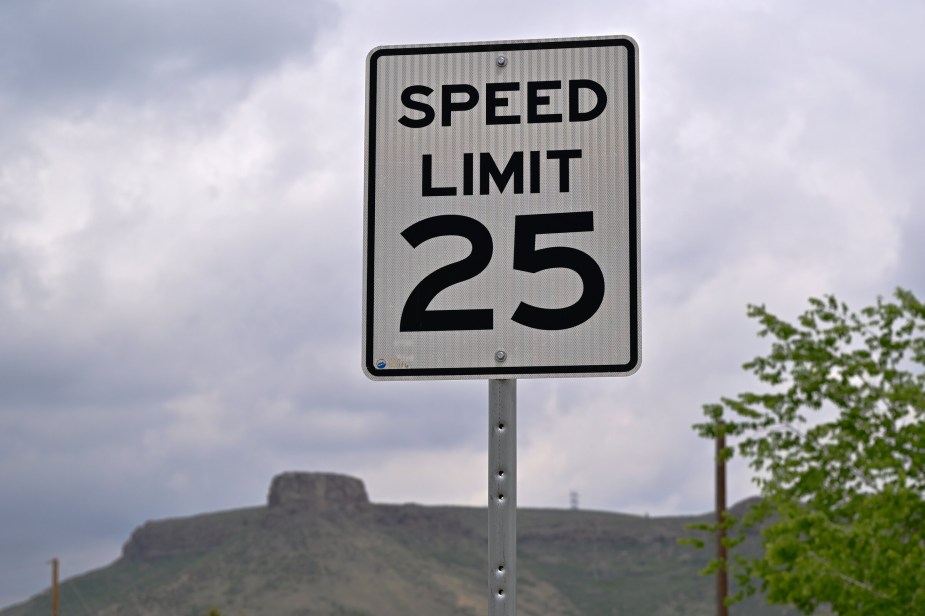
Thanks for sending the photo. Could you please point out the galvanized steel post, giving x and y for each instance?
(502, 497)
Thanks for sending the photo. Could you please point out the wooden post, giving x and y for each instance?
(54, 587)
(722, 576)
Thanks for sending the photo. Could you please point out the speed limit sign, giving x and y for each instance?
(501, 230)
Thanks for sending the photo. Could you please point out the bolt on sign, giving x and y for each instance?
(501, 229)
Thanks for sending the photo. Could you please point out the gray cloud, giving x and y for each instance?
(180, 255)
(63, 53)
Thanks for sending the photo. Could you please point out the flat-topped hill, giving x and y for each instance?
(319, 547)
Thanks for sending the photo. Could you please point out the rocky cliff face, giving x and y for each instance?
(189, 536)
(290, 493)
(317, 492)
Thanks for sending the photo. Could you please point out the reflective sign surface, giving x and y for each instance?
(502, 210)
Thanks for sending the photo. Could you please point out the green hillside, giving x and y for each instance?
(320, 548)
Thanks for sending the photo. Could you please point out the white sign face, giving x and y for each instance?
(502, 210)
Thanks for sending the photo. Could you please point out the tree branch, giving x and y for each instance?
(847, 578)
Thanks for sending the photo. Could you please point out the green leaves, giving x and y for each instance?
(836, 437)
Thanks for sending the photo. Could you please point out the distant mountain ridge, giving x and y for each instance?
(320, 547)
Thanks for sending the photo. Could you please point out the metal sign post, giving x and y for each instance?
(502, 497)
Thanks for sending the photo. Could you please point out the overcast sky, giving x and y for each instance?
(181, 201)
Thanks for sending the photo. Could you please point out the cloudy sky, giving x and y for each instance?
(181, 201)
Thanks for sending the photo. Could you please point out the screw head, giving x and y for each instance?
(380, 364)
(501, 61)
(500, 355)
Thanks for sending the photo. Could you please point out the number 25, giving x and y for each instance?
(415, 316)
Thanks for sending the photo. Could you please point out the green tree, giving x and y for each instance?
(836, 437)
